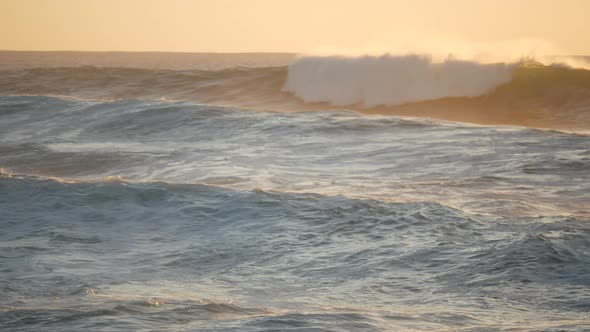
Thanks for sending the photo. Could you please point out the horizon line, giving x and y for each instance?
(206, 52)
(119, 51)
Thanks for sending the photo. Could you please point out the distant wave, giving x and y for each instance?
(390, 80)
(217, 86)
(525, 93)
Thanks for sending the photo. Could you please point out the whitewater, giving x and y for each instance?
(256, 192)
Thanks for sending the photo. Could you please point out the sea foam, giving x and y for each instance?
(390, 80)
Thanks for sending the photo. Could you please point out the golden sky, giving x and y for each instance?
(284, 25)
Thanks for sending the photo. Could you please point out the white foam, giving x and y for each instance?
(390, 80)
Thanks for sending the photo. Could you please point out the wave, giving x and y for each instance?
(525, 93)
(265, 230)
(227, 86)
(322, 152)
(390, 80)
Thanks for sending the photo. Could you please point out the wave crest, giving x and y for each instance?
(390, 80)
(524, 93)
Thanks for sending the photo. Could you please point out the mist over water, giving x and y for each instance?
(141, 197)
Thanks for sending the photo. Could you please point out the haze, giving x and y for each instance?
(282, 26)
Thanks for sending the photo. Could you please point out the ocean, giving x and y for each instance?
(259, 192)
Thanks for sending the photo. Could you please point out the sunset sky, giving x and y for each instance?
(284, 25)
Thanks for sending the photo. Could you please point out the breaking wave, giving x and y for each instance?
(524, 93)
(391, 80)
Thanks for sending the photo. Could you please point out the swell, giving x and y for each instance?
(401, 250)
(527, 93)
(470, 167)
(235, 86)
